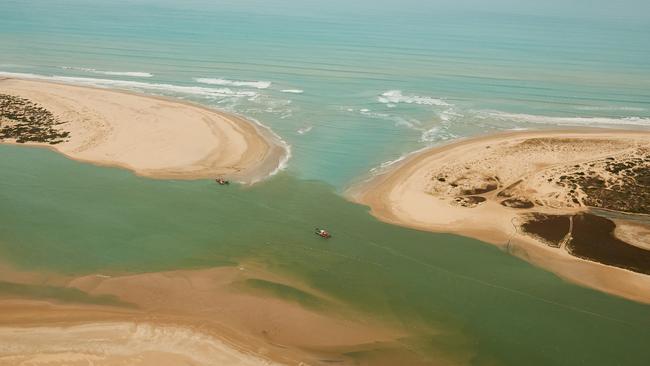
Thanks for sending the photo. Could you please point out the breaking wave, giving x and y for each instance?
(136, 74)
(189, 90)
(393, 97)
(571, 121)
(237, 83)
(127, 73)
(293, 91)
(610, 108)
(127, 84)
(283, 163)
(304, 130)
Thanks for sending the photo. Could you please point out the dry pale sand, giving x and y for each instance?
(194, 317)
(417, 193)
(117, 343)
(152, 136)
(636, 234)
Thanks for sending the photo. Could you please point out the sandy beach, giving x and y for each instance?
(491, 187)
(118, 343)
(152, 136)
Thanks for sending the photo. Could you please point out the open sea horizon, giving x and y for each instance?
(347, 88)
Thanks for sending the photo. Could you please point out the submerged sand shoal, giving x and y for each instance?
(152, 136)
(488, 187)
(194, 317)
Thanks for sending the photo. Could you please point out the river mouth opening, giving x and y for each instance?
(93, 220)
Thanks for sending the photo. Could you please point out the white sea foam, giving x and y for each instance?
(237, 83)
(388, 164)
(293, 91)
(137, 74)
(127, 73)
(449, 115)
(383, 166)
(393, 97)
(169, 88)
(430, 134)
(437, 134)
(399, 121)
(284, 161)
(571, 121)
(610, 108)
(14, 66)
(304, 130)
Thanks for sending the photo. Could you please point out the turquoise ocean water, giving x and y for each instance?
(377, 79)
(349, 86)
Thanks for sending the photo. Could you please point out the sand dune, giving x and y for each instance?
(154, 137)
(487, 187)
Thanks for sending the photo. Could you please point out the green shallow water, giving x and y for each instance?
(63, 216)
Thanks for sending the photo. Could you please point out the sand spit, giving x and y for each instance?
(495, 187)
(152, 136)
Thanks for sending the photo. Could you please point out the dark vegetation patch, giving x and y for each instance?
(550, 228)
(489, 186)
(593, 239)
(469, 201)
(471, 183)
(507, 192)
(24, 121)
(626, 188)
(517, 203)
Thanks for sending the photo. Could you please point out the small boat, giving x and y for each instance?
(222, 181)
(323, 233)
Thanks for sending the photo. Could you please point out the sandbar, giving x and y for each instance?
(152, 136)
(197, 317)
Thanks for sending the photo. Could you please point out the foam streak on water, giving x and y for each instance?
(396, 97)
(226, 82)
(127, 84)
(136, 74)
(569, 121)
(412, 75)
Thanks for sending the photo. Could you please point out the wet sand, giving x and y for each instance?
(488, 187)
(195, 317)
(118, 343)
(152, 136)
